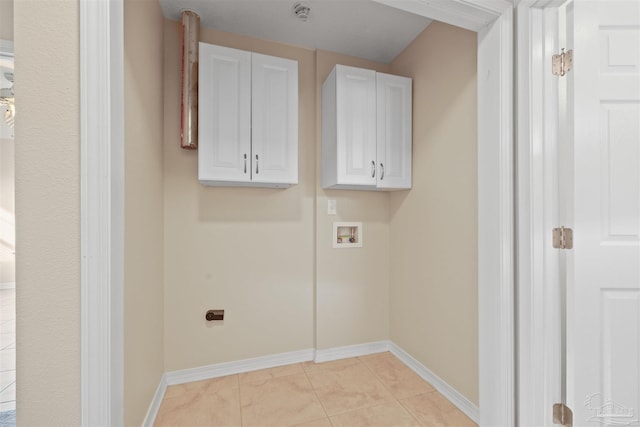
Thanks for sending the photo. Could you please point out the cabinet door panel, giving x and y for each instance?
(394, 131)
(224, 117)
(356, 125)
(275, 120)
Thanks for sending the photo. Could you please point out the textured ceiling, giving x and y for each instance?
(361, 28)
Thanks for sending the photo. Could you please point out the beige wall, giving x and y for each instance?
(47, 205)
(434, 297)
(258, 253)
(6, 19)
(143, 274)
(255, 252)
(249, 251)
(352, 284)
(48, 212)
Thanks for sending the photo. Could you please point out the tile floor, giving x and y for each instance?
(7, 350)
(369, 391)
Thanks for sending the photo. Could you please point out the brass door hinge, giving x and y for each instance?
(562, 238)
(562, 63)
(562, 415)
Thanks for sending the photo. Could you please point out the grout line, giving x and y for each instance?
(240, 399)
(315, 392)
(270, 378)
(411, 414)
(397, 399)
(381, 404)
(380, 380)
(361, 362)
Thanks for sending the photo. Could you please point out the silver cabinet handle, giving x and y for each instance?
(373, 169)
(381, 171)
(245, 163)
(257, 168)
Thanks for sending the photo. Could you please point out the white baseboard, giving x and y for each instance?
(356, 350)
(230, 368)
(8, 285)
(152, 413)
(453, 395)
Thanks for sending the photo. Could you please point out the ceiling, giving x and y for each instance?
(361, 28)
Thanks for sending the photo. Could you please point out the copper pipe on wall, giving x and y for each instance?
(190, 57)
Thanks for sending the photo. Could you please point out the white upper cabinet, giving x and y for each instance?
(394, 131)
(275, 119)
(248, 118)
(349, 128)
(366, 130)
(224, 114)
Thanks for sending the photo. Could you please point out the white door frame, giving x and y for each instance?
(539, 293)
(102, 211)
(102, 142)
(496, 233)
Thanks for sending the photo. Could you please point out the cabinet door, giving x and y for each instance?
(394, 131)
(274, 157)
(356, 125)
(224, 114)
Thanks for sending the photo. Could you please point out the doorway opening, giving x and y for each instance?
(7, 240)
(102, 387)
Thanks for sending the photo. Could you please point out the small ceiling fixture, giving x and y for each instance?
(301, 10)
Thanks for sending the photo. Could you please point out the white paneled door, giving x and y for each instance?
(603, 269)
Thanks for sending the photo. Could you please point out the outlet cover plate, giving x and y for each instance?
(331, 207)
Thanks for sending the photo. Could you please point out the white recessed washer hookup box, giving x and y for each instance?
(347, 235)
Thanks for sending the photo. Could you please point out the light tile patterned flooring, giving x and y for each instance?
(7, 349)
(369, 391)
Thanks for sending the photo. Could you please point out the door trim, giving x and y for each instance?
(102, 207)
(102, 233)
(496, 234)
(539, 286)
